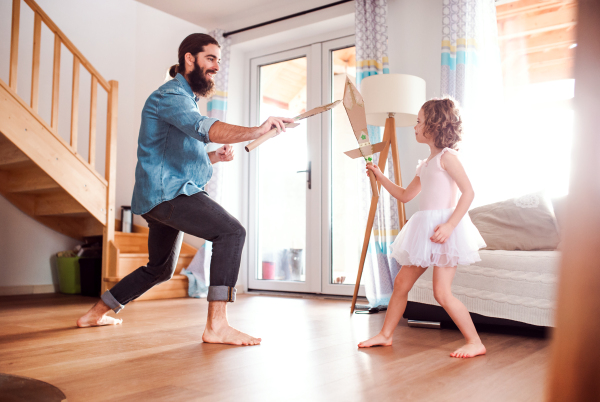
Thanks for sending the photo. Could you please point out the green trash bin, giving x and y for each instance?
(68, 275)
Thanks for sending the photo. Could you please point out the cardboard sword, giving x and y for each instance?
(273, 132)
(355, 108)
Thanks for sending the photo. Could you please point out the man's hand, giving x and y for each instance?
(273, 122)
(223, 154)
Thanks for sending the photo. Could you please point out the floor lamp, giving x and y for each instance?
(391, 100)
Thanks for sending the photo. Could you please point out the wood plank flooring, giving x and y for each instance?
(308, 353)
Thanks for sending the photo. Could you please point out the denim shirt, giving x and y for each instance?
(172, 158)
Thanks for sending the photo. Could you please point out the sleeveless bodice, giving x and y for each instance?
(438, 189)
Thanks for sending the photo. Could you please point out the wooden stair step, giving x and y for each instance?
(57, 203)
(131, 242)
(176, 287)
(32, 180)
(11, 156)
(138, 243)
(129, 262)
(175, 278)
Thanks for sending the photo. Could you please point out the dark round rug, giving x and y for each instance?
(14, 388)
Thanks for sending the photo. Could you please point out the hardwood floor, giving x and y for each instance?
(308, 353)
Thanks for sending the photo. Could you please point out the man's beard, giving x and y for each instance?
(201, 85)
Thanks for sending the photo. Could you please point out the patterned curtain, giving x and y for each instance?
(472, 74)
(371, 59)
(199, 269)
(471, 70)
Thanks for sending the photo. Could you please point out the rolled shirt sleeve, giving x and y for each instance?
(182, 112)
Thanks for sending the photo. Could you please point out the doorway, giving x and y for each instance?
(303, 192)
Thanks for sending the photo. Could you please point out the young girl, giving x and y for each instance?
(440, 234)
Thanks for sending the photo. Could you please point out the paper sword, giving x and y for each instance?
(355, 108)
(273, 132)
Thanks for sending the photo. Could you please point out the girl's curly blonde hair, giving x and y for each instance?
(443, 122)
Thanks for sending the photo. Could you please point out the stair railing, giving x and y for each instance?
(111, 87)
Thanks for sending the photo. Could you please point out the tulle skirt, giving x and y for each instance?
(414, 247)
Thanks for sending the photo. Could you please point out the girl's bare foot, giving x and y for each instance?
(469, 350)
(97, 317)
(228, 335)
(377, 340)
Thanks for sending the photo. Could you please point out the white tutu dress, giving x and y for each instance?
(439, 195)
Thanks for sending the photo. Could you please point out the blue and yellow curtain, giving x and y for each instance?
(371, 59)
(471, 70)
(217, 104)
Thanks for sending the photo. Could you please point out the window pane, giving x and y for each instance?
(347, 233)
(282, 190)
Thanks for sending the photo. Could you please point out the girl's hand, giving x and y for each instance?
(442, 232)
(375, 169)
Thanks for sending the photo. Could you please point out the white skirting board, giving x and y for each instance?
(27, 289)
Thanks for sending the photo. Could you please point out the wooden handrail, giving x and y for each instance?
(60, 39)
(68, 44)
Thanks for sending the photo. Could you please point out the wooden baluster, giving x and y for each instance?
(14, 44)
(110, 176)
(93, 100)
(55, 82)
(35, 68)
(75, 103)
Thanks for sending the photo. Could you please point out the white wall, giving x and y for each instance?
(125, 41)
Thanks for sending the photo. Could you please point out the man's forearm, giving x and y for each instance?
(223, 133)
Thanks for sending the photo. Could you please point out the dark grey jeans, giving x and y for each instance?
(199, 216)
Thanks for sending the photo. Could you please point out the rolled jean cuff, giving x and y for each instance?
(111, 302)
(221, 293)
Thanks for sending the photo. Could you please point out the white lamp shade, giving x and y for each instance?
(400, 94)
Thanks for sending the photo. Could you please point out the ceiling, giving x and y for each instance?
(537, 40)
(232, 14)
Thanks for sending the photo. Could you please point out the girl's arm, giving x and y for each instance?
(455, 169)
(399, 193)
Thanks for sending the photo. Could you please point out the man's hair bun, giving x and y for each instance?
(173, 70)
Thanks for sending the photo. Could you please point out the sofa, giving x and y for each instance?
(514, 284)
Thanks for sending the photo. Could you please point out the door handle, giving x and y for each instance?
(308, 179)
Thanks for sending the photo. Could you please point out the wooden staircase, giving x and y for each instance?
(44, 176)
(132, 253)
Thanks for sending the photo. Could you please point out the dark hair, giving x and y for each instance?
(193, 44)
(443, 122)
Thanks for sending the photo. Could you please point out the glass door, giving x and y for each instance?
(305, 234)
(343, 202)
(285, 217)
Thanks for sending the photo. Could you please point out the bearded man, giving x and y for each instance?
(173, 168)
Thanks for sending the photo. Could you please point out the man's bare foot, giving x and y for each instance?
(228, 335)
(218, 329)
(469, 350)
(377, 340)
(97, 317)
